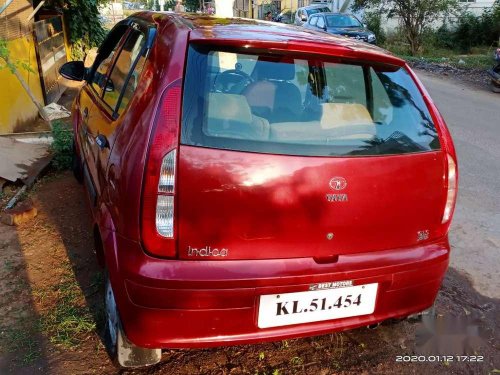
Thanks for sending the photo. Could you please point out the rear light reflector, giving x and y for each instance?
(452, 189)
(165, 215)
(167, 173)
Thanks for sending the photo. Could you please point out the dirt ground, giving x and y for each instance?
(52, 315)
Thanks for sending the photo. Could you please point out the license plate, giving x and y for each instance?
(313, 306)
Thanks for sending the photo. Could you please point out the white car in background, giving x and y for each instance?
(303, 13)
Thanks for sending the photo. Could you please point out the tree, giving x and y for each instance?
(85, 28)
(414, 15)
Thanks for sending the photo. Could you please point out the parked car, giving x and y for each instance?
(249, 187)
(302, 14)
(341, 24)
(494, 72)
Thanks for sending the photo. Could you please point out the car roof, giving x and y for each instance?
(335, 14)
(315, 6)
(266, 34)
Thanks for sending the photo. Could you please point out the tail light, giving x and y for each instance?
(158, 198)
(449, 148)
(451, 195)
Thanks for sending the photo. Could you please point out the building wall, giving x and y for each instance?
(16, 108)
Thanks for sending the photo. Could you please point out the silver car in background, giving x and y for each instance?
(303, 13)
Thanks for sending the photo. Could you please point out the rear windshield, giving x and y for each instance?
(303, 105)
(340, 20)
(316, 10)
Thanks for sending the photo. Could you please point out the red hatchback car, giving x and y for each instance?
(253, 181)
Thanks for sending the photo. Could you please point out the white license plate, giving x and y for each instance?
(313, 306)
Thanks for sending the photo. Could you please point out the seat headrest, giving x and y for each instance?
(344, 114)
(282, 70)
(228, 107)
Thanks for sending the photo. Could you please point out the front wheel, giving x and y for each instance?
(122, 352)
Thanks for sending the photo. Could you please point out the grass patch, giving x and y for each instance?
(22, 342)
(456, 61)
(478, 58)
(62, 146)
(68, 320)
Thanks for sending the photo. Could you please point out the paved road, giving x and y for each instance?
(473, 117)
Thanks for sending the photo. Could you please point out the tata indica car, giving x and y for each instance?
(341, 24)
(252, 182)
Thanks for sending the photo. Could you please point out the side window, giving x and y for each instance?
(321, 22)
(130, 60)
(383, 109)
(105, 57)
(313, 20)
(346, 83)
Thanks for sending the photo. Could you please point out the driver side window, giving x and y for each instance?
(105, 58)
(321, 23)
(119, 80)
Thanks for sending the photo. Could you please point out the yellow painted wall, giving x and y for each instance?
(289, 5)
(16, 108)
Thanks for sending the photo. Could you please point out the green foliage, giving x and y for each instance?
(191, 5)
(474, 30)
(62, 146)
(415, 16)
(20, 342)
(85, 28)
(443, 37)
(373, 21)
(69, 318)
(8, 63)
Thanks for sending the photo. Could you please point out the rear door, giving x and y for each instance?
(358, 169)
(91, 94)
(120, 83)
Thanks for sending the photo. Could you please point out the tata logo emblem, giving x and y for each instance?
(338, 183)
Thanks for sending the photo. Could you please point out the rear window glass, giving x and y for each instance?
(304, 105)
(316, 10)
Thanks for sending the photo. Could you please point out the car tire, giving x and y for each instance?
(429, 313)
(123, 353)
(76, 165)
(494, 87)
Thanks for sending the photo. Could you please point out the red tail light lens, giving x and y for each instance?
(451, 196)
(158, 198)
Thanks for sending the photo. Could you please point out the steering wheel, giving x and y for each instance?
(232, 81)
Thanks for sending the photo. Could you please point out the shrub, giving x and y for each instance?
(474, 30)
(443, 37)
(62, 146)
(374, 23)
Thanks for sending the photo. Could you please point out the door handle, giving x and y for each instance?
(85, 113)
(101, 141)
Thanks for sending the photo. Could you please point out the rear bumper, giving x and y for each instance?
(188, 304)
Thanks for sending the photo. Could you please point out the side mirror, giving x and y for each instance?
(73, 70)
(303, 18)
(110, 86)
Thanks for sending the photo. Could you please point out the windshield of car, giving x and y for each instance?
(341, 20)
(304, 105)
(316, 10)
